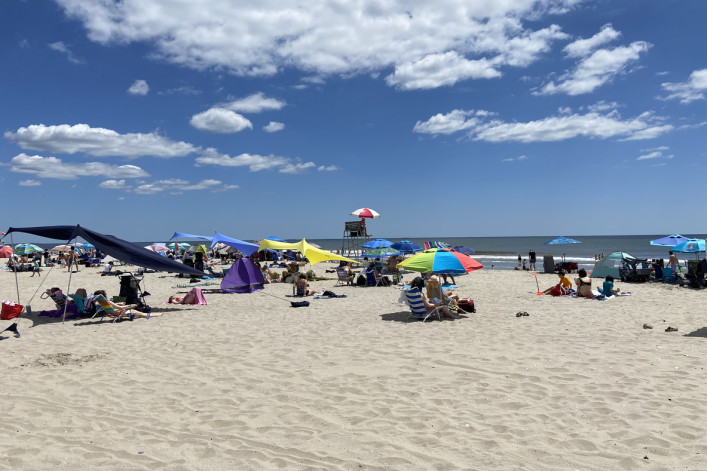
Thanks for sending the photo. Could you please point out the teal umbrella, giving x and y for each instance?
(24, 249)
(382, 252)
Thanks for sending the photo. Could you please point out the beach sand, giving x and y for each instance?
(248, 382)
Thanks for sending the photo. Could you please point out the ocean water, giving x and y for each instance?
(501, 253)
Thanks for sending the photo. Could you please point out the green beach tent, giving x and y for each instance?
(610, 265)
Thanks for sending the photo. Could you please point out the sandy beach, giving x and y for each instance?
(248, 382)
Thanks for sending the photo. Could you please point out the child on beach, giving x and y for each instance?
(608, 287)
(36, 268)
(560, 288)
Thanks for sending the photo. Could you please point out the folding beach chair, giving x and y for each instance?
(105, 308)
(343, 277)
(413, 298)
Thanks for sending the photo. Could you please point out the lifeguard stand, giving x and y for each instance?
(355, 235)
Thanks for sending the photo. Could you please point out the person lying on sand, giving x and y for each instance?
(122, 308)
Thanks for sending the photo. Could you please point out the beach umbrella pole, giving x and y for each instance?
(17, 283)
(537, 284)
(68, 287)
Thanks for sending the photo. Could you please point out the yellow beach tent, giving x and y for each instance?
(313, 254)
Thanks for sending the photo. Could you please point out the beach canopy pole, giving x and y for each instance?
(537, 284)
(14, 266)
(68, 287)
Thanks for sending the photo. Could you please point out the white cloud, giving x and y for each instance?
(29, 183)
(656, 153)
(689, 91)
(584, 47)
(255, 103)
(554, 128)
(595, 70)
(139, 87)
(51, 167)
(221, 121)
(173, 185)
(322, 37)
(327, 168)
(254, 162)
(274, 126)
(520, 158)
(59, 46)
(99, 142)
(437, 70)
(113, 185)
(454, 121)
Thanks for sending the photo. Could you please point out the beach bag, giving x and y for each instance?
(10, 310)
(466, 305)
(361, 280)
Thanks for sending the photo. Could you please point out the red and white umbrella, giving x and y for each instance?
(157, 248)
(365, 213)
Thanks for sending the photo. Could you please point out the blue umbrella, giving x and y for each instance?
(670, 241)
(377, 244)
(690, 246)
(465, 250)
(406, 246)
(276, 239)
(381, 252)
(562, 240)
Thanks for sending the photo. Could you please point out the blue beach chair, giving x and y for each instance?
(413, 298)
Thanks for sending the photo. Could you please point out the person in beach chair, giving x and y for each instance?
(117, 310)
(63, 305)
(345, 275)
(373, 276)
(435, 291)
(422, 309)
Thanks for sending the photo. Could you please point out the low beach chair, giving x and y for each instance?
(105, 308)
(343, 277)
(413, 298)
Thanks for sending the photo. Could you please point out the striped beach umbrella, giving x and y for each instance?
(441, 261)
(24, 249)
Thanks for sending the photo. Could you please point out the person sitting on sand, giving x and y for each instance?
(430, 306)
(560, 288)
(299, 287)
(584, 284)
(608, 287)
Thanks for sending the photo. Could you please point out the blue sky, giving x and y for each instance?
(450, 118)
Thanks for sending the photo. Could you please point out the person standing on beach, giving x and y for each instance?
(673, 262)
(519, 259)
(531, 259)
(73, 259)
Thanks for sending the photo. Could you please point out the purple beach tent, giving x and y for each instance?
(243, 277)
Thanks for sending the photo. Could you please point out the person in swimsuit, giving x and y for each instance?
(584, 284)
(299, 287)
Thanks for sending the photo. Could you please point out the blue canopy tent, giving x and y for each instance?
(246, 248)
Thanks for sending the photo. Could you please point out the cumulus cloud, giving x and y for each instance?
(99, 142)
(688, 91)
(113, 185)
(139, 87)
(274, 126)
(29, 183)
(437, 70)
(59, 46)
(327, 168)
(595, 70)
(592, 124)
(322, 37)
(254, 162)
(54, 168)
(221, 121)
(254, 103)
(584, 47)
